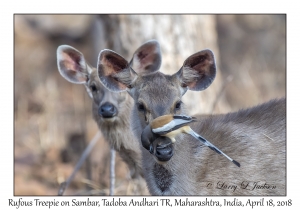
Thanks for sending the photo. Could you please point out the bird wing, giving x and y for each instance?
(184, 117)
(177, 122)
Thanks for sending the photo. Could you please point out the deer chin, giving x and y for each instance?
(109, 119)
(163, 150)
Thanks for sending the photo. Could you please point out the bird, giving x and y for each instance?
(172, 125)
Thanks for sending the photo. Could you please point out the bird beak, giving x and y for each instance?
(147, 138)
(159, 146)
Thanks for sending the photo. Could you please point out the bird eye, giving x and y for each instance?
(93, 87)
(178, 105)
(141, 107)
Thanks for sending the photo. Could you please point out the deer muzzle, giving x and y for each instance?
(107, 110)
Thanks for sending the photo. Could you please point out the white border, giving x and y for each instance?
(154, 6)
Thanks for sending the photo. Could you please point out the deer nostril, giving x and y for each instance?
(164, 152)
(163, 146)
(107, 110)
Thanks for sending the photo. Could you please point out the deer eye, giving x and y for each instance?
(141, 107)
(93, 87)
(178, 105)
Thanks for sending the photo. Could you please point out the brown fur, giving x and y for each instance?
(117, 132)
(254, 137)
(244, 136)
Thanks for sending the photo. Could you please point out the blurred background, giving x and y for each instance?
(52, 117)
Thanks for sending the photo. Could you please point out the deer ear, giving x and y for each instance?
(71, 64)
(198, 71)
(114, 71)
(147, 58)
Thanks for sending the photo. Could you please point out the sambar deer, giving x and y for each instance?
(255, 137)
(111, 110)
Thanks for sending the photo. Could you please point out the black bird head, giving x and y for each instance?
(159, 146)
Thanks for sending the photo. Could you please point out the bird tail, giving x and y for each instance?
(211, 146)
